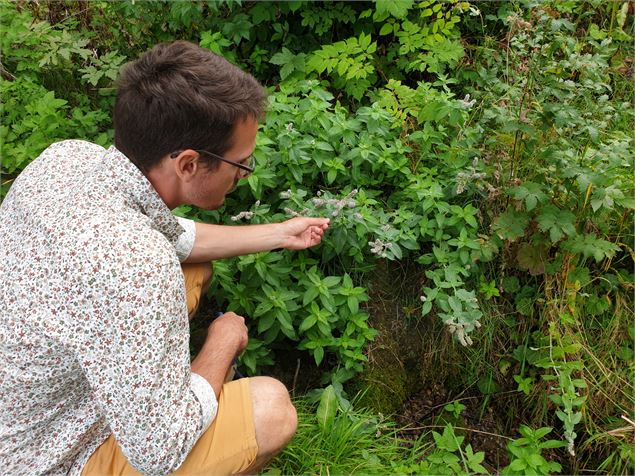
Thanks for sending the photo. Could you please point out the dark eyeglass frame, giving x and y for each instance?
(247, 169)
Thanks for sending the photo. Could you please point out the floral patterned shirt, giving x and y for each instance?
(94, 334)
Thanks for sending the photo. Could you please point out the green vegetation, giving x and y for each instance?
(487, 148)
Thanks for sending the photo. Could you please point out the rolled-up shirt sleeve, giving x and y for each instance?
(207, 398)
(136, 358)
(185, 242)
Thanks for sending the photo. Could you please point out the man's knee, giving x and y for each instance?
(275, 417)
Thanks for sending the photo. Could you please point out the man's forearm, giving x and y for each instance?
(221, 241)
(213, 364)
(226, 338)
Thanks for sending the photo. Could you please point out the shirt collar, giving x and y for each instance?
(135, 186)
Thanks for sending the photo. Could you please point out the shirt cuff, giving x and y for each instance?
(207, 398)
(185, 242)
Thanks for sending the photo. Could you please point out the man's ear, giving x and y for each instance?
(187, 165)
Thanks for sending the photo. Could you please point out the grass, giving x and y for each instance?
(358, 442)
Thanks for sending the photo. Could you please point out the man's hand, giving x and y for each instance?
(228, 331)
(226, 338)
(303, 232)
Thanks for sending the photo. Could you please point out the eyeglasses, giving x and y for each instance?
(246, 169)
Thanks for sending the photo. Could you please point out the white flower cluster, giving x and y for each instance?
(293, 213)
(247, 215)
(347, 202)
(241, 215)
(515, 20)
(474, 12)
(459, 330)
(379, 247)
(471, 175)
(466, 103)
(286, 195)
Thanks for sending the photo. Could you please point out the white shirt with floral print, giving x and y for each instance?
(94, 335)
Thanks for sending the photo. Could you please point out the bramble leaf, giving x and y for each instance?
(590, 245)
(532, 258)
(511, 225)
(556, 221)
(529, 192)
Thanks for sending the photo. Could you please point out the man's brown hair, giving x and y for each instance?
(180, 96)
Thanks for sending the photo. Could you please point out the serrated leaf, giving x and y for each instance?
(517, 465)
(511, 225)
(529, 192)
(556, 221)
(589, 245)
(396, 8)
(532, 258)
(308, 322)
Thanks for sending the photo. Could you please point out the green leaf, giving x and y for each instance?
(511, 225)
(532, 258)
(517, 465)
(396, 8)
(311, 293)
(265, 323)
(308, 322)
(327, 408)
(535, 460)
(318, 355)
(386, 29)
(557, 222)
(590, 245)
(530, 192)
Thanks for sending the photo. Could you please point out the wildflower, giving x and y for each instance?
(257, 204)
(289, 127)
(474, 12)
(359, 216)
(241, 215)
(290, 212)
(318, 202)
(466, 103)
(285, 195)
(422, 298)
(379, 247)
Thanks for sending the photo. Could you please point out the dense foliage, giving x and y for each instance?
(488, 143)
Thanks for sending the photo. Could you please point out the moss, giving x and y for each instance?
(383, 386)
(410, 352)
(393, 370)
